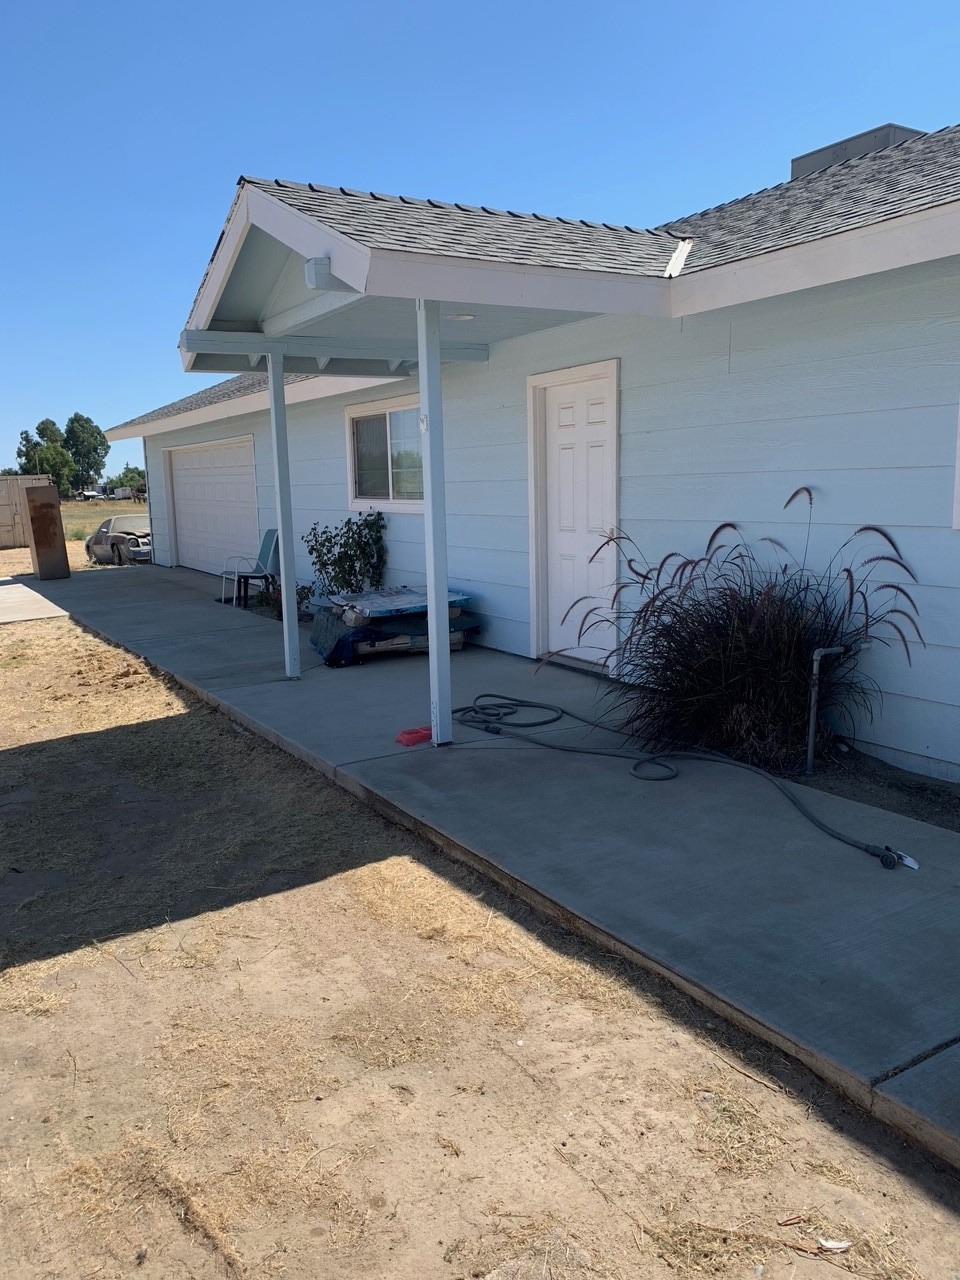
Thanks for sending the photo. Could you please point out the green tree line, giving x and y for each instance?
(73, 458)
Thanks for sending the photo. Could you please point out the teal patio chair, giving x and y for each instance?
(265, 569)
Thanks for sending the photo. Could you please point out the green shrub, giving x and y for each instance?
(350, 556)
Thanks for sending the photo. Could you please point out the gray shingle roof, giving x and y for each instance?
(245, 384)
(919, 173)
(468, 231)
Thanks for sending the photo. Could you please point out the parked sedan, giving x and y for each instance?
(121, 540)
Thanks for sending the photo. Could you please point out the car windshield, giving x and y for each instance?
(131, 524)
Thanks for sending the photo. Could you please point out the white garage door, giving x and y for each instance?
(215, 503)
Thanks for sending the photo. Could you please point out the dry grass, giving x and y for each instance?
(731, 1131)
(874, 1254)
(553, 1257)
(505, 1242)
(407, 895)
(694, 1249)
(392, 1030)
(41, 987)
(837, 1174)
(81, 518)
(211, 1069)
(101, 1199)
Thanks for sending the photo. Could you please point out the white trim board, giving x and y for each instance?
(301, 392)
(537, 384)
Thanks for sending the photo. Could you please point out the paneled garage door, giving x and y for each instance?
(215, 503)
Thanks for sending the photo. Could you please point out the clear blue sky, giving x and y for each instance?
(126, 126)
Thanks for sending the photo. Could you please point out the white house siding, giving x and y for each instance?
(851, 389)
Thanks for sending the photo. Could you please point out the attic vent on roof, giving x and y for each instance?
(885, 135)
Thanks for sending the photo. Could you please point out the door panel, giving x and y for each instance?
(580, 509)
(215, 503)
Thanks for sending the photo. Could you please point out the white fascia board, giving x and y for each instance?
(259, 401)
(221, 264)
(252, 207)
(900, 242)
(413, 275)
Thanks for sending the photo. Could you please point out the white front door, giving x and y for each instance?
(215, 503)
(579, 511)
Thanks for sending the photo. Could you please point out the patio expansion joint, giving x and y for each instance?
(915, 1061)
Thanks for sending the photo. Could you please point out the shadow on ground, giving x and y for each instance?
(105, 834)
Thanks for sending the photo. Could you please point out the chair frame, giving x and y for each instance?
(244, 569)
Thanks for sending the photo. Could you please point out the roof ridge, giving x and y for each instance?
(452, 205)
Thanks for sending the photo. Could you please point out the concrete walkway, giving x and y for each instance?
(712, 880)
(18, 603)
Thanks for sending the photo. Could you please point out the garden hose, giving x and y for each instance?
(496, 714)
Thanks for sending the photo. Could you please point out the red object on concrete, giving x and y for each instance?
(414, 737)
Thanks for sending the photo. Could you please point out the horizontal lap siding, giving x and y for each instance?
(852, 389)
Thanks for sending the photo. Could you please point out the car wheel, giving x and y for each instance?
(117, 554)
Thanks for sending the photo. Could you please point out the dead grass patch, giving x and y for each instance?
(215, 1067)
(272, 1181)
(873, 1255)
(732, 1132)
(102, 1197)
(407, 895)
(39, 988)
(504, 1239)
(390, 1032)
(695, 1249)
(838, 1174)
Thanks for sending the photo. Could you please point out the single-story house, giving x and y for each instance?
(508, 387)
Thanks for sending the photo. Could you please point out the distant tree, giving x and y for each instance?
(87, 446)
(44, 454)
(9, 471)
(130, 477)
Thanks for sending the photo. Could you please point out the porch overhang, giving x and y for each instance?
(280, 274)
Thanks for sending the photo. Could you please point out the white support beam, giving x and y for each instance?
(229, 343)
(317, 274)
(275, 324)
(281, 473)
(435, 521)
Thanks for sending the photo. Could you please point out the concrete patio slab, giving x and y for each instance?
(712, 880)
(716, 876)
(18, 603)
(935, 1081)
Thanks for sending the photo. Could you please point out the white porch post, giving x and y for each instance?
(281, 474)
(434, 520)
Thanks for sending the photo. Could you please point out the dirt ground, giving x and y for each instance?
(871, 781)
(249, 1028)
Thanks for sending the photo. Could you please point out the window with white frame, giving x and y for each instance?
(385, 459)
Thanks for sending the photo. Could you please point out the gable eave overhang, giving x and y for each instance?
(360, 272)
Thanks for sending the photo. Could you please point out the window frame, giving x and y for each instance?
(383, 408)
